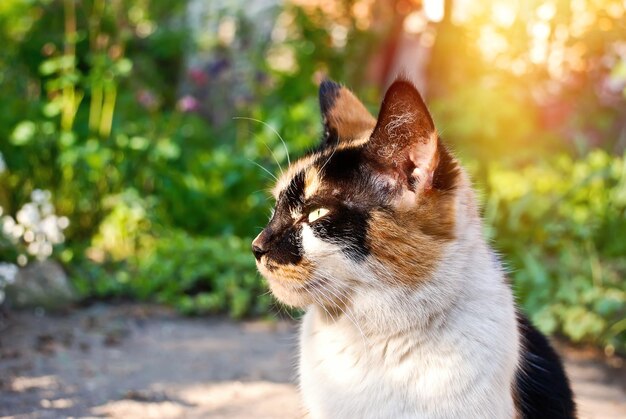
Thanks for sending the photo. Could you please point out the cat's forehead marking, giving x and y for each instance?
(312, 181)
(305, 164)
(306, 176)
(295, 168)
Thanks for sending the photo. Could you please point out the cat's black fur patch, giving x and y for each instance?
(351, 193)
(446, 173)
(542, 388)
(347, 228)
(330, 137)
(283, 238)
(342, 166)
(294, 193)
(328, 94)
(287, 249)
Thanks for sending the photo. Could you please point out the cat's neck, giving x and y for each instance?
(468, 278)
(455, 332)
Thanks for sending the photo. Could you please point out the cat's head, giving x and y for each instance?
(374, 205)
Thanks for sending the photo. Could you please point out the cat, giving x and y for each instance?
(409, 314)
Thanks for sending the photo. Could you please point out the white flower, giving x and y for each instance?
(50, 228)
(41, 249)
(39, 196)
(22, 260)
(47, 208)
(18, 231)
(63, 222)
(28, 215)
(3, 167)
(8, 272)
(34, 248)
(8, 223)
(35, 226)
(46, 250)
(29, 236)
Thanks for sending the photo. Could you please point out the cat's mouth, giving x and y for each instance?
(297, 286)
(294, 285)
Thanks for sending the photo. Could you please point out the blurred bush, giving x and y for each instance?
(560, 226)
(197, 275)
(212, 275)
(110, 108)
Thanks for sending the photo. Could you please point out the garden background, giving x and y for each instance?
(138, 139)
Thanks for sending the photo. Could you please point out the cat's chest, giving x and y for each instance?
(344, 373)
(344, 357)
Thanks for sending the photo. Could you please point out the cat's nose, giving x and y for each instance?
(259, 245)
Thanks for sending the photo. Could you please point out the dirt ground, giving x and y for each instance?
(134, 361)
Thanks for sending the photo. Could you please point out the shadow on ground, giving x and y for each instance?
(143, 361)
(138, 361)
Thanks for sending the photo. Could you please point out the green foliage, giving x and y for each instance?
(203, 275)
(77, 124)
(163, 197)
(197, 275)
(561, 228)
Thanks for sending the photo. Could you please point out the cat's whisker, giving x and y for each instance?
(267, 171)
(329, 287)
(261, 190)
(272, 153)
(270, 127)
(350, 314)
(282, 308)
(268, 149)
(328, 159)
(321, 304)
(268, 292)
(317, 302)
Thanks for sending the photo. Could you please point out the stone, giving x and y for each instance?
(41, 284)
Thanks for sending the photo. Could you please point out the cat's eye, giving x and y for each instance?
(316, 214)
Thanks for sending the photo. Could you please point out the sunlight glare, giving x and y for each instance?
(504, 13)
(434, 10)
(415, 22)
(546, 11)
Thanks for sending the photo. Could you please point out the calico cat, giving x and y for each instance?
(409, 314)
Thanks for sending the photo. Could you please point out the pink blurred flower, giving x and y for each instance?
(188, 103)
(198, 77)
(147, 99)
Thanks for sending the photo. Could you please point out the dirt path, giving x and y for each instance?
(138, 361)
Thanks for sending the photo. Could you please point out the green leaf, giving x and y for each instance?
(23, 133)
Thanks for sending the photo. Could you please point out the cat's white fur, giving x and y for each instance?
(445, 348)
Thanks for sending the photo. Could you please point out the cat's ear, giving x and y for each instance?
(405, 141)
(345, 118)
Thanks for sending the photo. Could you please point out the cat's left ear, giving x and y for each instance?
(405, 143)
(345, 118)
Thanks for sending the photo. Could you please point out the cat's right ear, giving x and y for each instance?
(405, 143)
(345, 118)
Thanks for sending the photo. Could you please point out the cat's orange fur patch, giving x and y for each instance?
(409, 244)
(312, 182)
(289, 272)
(349, 117)
(297, 166)
(288, 282)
